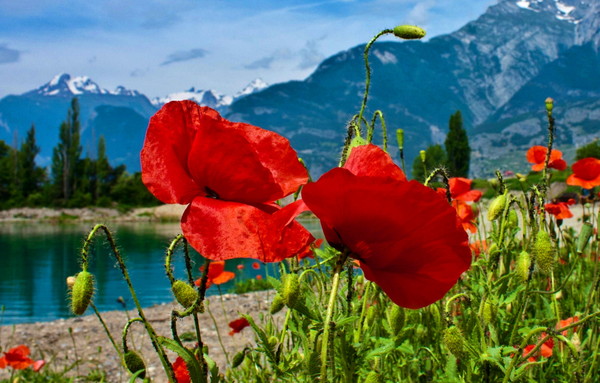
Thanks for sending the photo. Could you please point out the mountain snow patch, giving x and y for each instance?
(385, 57)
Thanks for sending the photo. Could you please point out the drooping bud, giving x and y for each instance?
(70, 281)
(409, 32)
(396, 318)
(82, 292)
(134, 363)
(290, 290)
(549, 104)
(400, 138)
(277, 304)
(523, 265)
(543, 252)
(356, 141)
(455, 342)
(185, 294)
(374, 377)
(238, 359)
(584, 236)
(423, 156)
(497, 207)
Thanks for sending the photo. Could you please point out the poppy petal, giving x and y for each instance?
(370, 160)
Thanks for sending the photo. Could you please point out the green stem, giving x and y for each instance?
(363, 312)
(110, 337)
(218, 332)
(335, 284)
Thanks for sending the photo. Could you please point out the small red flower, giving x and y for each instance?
(560, 210)
(259, 277)
(240, 267)
(465, 214)
(181, 371)
(17, 358)
(479, 247)
(545, 351)
(586, 173)
(216, 274)
(460, 189)
(228, 174)
(537, 156)
(566, 322)
(237, 325)
(404, 234)
(255, 265)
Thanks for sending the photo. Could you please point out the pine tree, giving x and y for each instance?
(30, 175)
(457, 147)
(103, 171)
(67, 153)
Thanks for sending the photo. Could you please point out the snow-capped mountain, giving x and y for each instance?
(65, 85)
(210, 97)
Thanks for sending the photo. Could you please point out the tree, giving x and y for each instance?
(590, 150)
(103, 171)
(30, 175)
(457, 147)
(435, 157)
(6, 179)
(67, 153)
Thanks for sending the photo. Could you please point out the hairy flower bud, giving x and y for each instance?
(497, 207)
(455, 342)
(396, 318)
(238, 358)
(543, 252)
(423, 155)
(512, 218)
(290, 290)
(409, 32)
(277, 304)
(523, 265)
(185, 294)
(488, 312)
(549, 104)
(134, 363)
(82, 292)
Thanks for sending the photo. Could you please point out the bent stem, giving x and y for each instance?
(327, 325)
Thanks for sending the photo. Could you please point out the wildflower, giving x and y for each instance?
(259, 277)
(309, 252)
(255, 265)
(237, 325)
(537, 156)
(544, 351)
(404, 234)
(465, 214)
(216, 274)
(17, 358)
(479, 247)
(567, 322)
(240, 267)
(182, 375)
(229, 174)
(560, 210)
(586, 173)
(460, 189)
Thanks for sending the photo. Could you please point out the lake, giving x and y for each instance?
(36, 259)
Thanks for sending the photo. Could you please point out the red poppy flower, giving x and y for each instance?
(237, 325)
(259, 277)
(586, 173)
(479, 247)
(559, 210)
(460, 189)
(566, 322)
(404, 234)
(537, 156)
(545, 350)
(240, 267)
(309, 253)
(182, 375)
(255, 265)
(17, 358)
(216, 274)
(229, 174)
(465, 214)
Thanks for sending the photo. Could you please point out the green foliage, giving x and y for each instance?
(435, 157)
(66, 154)
(590, 150)
(457, 147)
(251, 284)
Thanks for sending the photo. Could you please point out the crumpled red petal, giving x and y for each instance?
(221, 230)
(586, 173)
(370, 160)
(460, 189)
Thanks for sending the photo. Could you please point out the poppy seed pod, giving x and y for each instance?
(549, 104)
(185, 294)
(523, 265)
(396, 318)
(134, 363)
(584, 236)
(409, 32)
(497, 207)
(82, 292)
(513, 219)
(290, 290)
(455, 342)
(277, 304)
(488, 312)
(543, 252)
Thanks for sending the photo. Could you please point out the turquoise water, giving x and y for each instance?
(36, 259)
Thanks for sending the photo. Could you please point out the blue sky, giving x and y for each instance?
(165, 46)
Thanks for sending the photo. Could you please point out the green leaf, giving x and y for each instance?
(263, 340)
(192, 364)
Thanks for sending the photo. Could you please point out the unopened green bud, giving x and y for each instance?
(290, 290)
(396, 317)
(549, 105)
(455, 342)
(273, 342)
(409, 32)
(488, 312)
(423, 155)
(584, 236)
(523, 265)
(371, 314)
(82, 292)
(497, 207)
(374, 377)
(435, 314)
(277, 304)
(512, 219)
(185, 294)
(238, 359)
(543, 252)
(134, 363)
(400, 138)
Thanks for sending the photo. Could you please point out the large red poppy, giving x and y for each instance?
(460, 189)
(586, 173)
(537, 156)
(405, 235)
(229, 173)
(560, 210)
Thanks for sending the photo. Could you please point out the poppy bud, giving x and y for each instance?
(290, 290)
(185, 294)
(396, 317)
(371, 314)
(512, 218)
(400, 138)
(523, 265)
(409, 32)
(549, 104)
(488, 312)
(356, 141)
(374, 377)
(273, 342)
(497, 207)
(584, 236)
(83, 290)
(238, 359)
(277, 304)
(70, 281)
(134, 363)
(455, 342)
(543, 252)
(422, 154)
